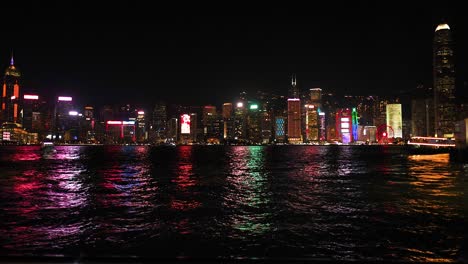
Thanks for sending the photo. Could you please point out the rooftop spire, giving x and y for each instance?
(12, 61)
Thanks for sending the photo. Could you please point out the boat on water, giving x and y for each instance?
(48, 146)
(430, 145)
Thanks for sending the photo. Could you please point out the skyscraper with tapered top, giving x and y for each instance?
(444, 82)
(11, 100)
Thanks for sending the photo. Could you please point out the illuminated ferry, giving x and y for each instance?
(430, 145)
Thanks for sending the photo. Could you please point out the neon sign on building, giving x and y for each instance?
(185, 124)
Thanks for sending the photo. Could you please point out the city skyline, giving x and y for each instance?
(209, 58)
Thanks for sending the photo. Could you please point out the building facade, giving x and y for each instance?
(444, 82)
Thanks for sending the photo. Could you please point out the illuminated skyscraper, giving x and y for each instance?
(227, 110)
(294, 114)
(11, 100)
(444, 82)
(344, 125)
(394, 121)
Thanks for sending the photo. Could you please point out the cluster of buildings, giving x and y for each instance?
(310, 116)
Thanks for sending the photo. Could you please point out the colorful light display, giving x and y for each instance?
(185, 124)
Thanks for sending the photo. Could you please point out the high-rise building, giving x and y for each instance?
(316, 97)
(312, 123)
(294, 121)
(394, 121)
(280, 129)
(444, 82)
(344, 125)
(158, 127)
(172, 130)
(11, 98)
(64, 117)
(294, 114)
(31, 105)
(254, 119)
(141, 133)
(88, 124)
(240, 121)
(209, 117)
(227, 110)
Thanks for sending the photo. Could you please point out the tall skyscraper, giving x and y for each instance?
(11, 100)
(294, 114)
(394, 121)
(444, 82)
(158, 127)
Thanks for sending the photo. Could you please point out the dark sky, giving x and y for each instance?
(207, 54)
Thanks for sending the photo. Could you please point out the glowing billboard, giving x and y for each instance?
(394, 120)
(185, 124)
(31, 97)
(64, 98)
(114, 122)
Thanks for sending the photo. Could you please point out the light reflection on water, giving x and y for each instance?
(312, 202)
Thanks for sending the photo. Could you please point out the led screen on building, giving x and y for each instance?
(394, 121)
(185, 124)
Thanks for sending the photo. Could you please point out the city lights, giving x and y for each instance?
(31, 97)
(65, 98)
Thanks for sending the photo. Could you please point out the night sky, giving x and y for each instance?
(130, 52)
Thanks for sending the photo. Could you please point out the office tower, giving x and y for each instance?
(312, 123)
(394, 121)
(294, 114)
(422, 112)
(280, 130)
(63, 117)
(344, 125)
(158, 127)
(316, 97)
(11, 100)
(444, 82)
(172, 130)
(31, 105)
(240, 121)
(254, 130)
(227, 110)
(209, 117)
(266, 127)
(88, 123)
(141, 133)
(228, 122)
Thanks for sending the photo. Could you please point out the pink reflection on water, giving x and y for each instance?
(25, 188)
(26, 153)
(67, 152)
(126, 181)
(184, 168)
(185, 181)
